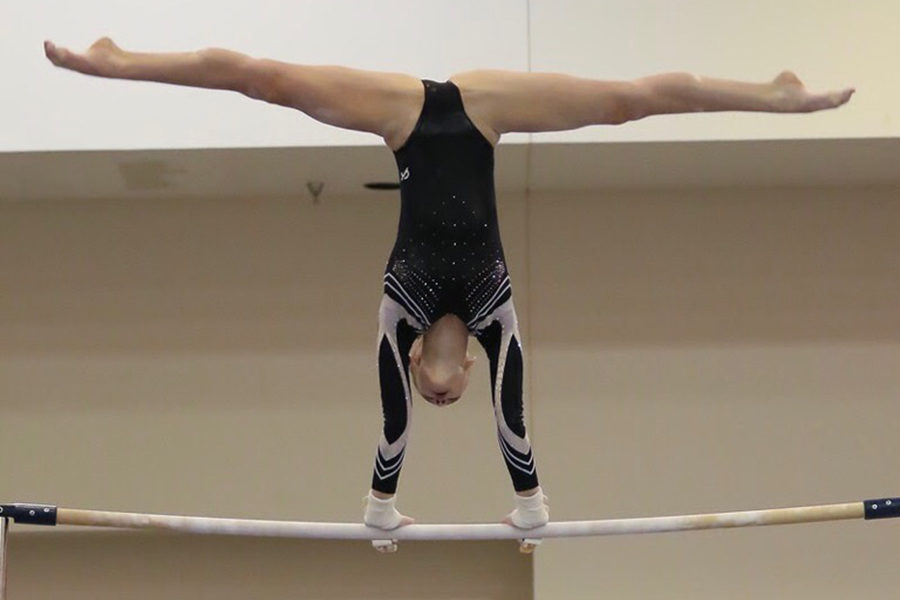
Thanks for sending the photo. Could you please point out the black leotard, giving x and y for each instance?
(448, 258)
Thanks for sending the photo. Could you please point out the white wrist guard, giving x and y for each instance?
(531, 511)
(381, 513)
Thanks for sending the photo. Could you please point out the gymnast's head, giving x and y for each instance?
(439, 362)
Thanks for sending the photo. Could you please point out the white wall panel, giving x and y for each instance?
(43, 108)
(829, 45)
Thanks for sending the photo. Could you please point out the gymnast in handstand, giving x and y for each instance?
(446, 278)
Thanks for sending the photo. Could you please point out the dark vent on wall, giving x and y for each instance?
(381, 185)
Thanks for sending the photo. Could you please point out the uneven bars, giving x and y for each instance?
(38, 514)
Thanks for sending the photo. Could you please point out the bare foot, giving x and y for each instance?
(792, 96)
(100, 59)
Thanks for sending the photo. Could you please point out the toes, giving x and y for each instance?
(846, 95)
(58, 56)
(51, 51)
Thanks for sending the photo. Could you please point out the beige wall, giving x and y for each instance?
(688, 351)
(707, 351)
(217, 358)
(88, 566)
(178, 351)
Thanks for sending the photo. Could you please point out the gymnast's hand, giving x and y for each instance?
(381, 512)
(791, 96)
(531, 510)
(101, 59)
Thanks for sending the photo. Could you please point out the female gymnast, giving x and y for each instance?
(446, 278)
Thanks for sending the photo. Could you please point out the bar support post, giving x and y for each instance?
(4, 530)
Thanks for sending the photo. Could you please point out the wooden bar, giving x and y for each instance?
(474, 531)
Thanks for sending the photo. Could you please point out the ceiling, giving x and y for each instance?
(538, 167)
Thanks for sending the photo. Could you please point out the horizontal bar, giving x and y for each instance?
(473, 531)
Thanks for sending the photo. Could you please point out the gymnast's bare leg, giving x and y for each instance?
(498, 101)
(389, 105)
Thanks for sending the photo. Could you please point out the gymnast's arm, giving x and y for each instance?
(386, 104)
(505, 101)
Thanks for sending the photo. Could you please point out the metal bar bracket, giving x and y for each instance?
(884, 508)
(29, 514)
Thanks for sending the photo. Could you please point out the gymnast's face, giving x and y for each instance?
(440, 380)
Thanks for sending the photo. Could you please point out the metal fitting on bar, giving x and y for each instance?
(29, 514)
(884, 508)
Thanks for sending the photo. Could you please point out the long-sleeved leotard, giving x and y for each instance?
(448, 259)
